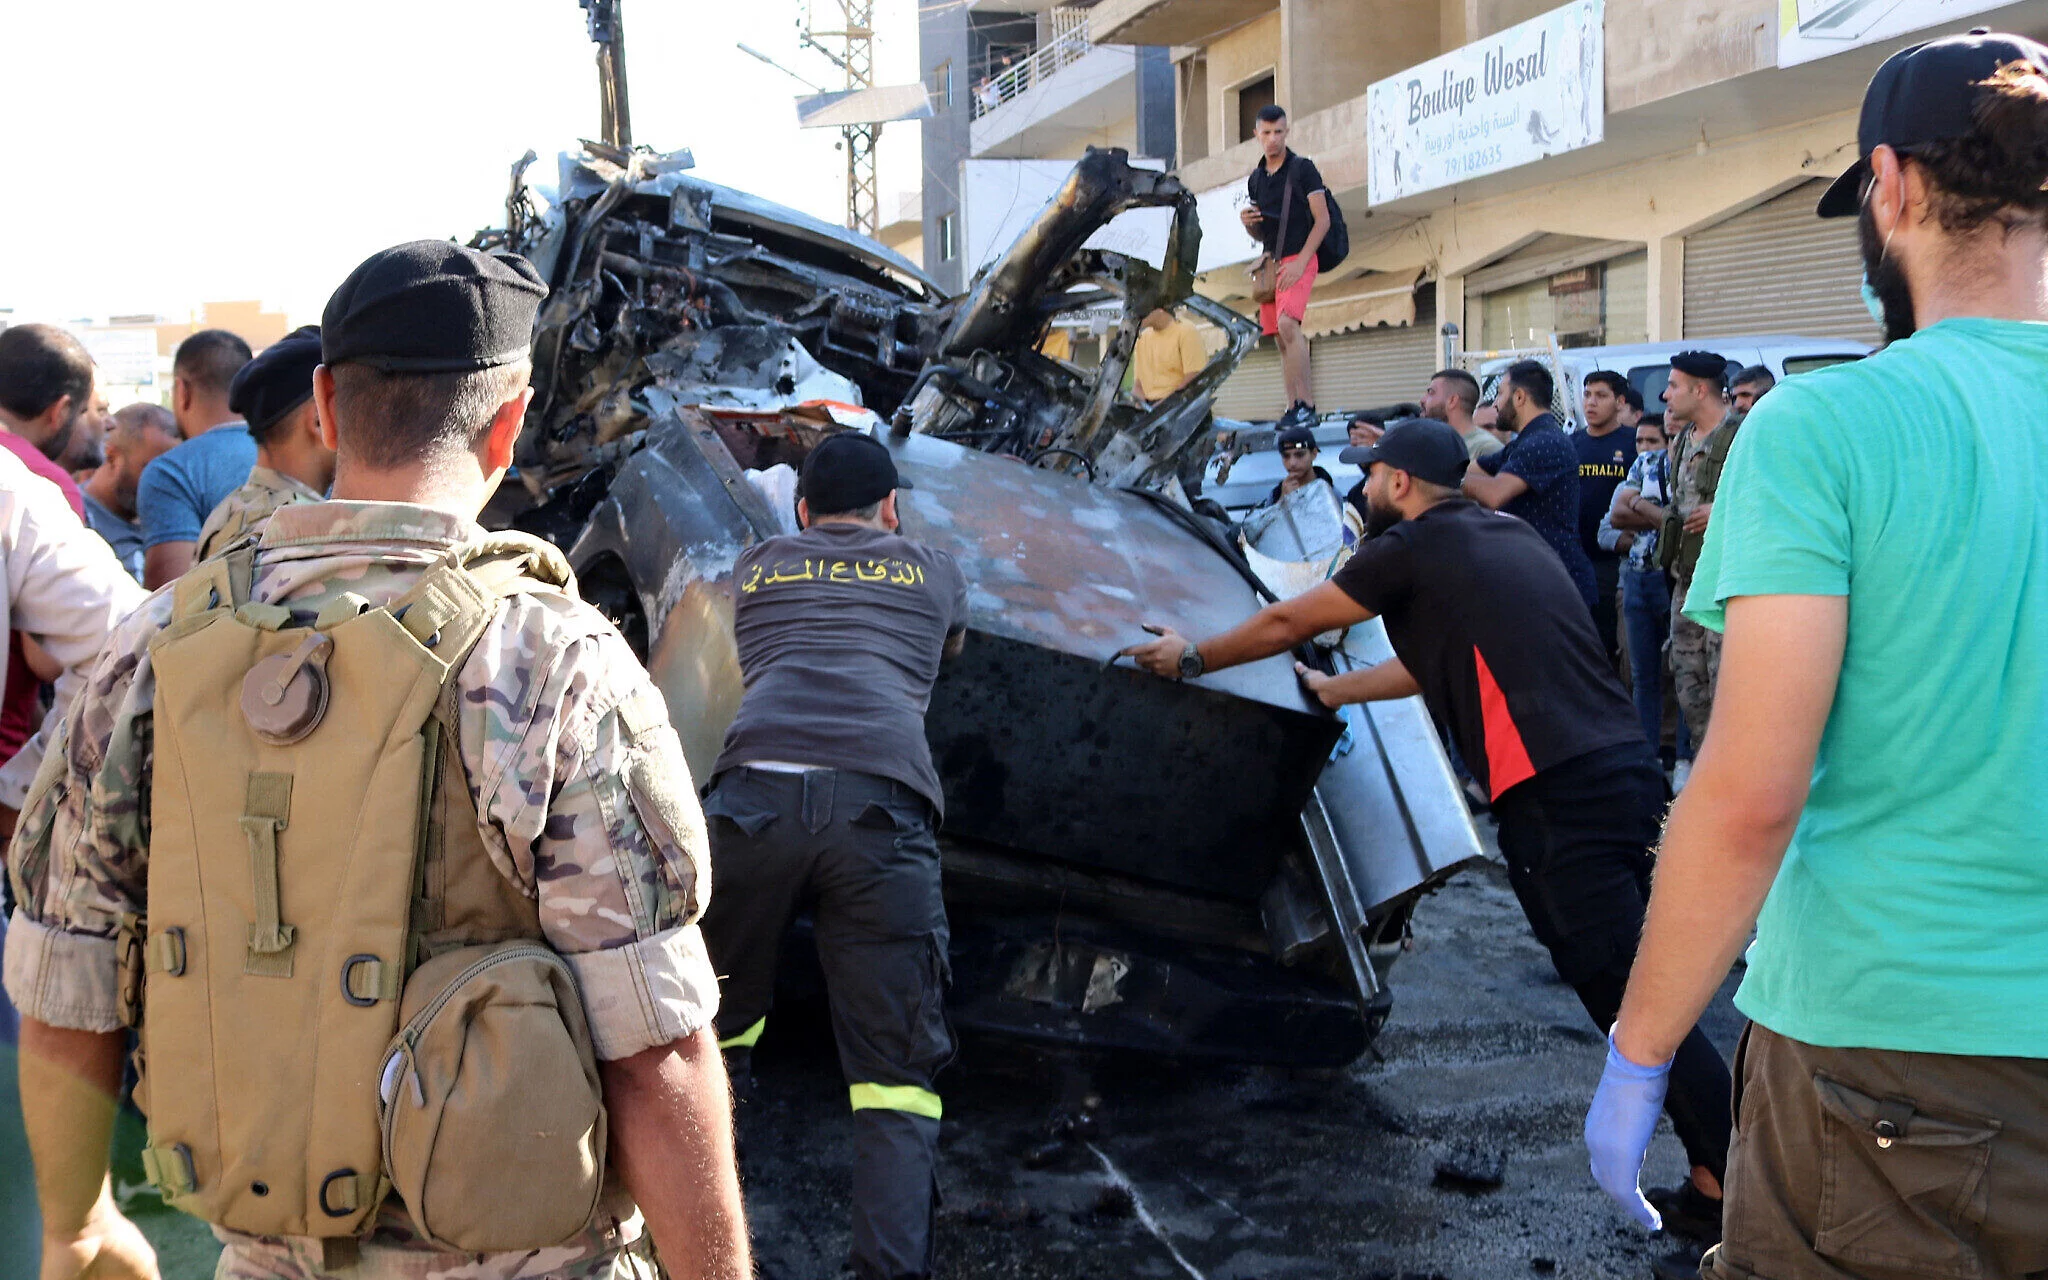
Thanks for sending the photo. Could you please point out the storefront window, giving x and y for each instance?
(1603, 304)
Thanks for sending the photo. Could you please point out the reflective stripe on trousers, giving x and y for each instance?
(895, 1097)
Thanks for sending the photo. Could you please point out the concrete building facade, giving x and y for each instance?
(1019, 89)
(1691, 217)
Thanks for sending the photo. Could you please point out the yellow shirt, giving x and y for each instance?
(1166, 358)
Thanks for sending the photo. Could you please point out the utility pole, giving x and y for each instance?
(608, 31)
(856, 57)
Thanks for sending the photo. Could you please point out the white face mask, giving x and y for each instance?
(1872, 302)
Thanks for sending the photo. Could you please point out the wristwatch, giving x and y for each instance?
(1190, 662)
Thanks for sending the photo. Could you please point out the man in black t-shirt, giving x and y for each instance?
(1492, 633)
(1605, 450)
(1290, 214)
(1536, 478)
(825, 794)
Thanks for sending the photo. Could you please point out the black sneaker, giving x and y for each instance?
(1300, 415)
(1682, 1264)
(1688, 1212)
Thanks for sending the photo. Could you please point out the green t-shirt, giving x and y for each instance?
(1912, 908)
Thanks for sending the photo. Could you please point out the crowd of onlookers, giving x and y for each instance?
(144, 477)
(1607, 493)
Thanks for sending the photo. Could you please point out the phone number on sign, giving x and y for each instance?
(1478, 161)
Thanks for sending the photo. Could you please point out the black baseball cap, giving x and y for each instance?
(846, 472)
(1425, 448)
(1926, 93)
(1295, 437)
(433, 307)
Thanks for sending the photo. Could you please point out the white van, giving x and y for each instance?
(1647, 365)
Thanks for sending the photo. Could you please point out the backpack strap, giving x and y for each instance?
(220, 583)
(1716, 457)
(1286, 207)
(448, 611)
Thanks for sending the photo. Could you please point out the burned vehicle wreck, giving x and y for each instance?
(1215, 869)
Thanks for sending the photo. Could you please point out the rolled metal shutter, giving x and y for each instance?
(1377, 366)
(1254, 390)
(1357, 370)
(1777, 268)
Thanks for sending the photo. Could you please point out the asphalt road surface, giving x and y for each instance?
(1237, 1174)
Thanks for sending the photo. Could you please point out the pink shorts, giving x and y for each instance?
(1292, 301)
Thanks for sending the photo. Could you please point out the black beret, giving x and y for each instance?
(1701, 364)
(277, 381)
(433, 307)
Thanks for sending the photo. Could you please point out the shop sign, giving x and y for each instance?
(1809, 29)
(1533, 90)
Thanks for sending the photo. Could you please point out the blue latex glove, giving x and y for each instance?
(1348, 714)
(1618, 1129)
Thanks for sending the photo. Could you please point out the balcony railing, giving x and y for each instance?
(1021, 77)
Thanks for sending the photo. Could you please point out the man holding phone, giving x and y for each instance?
(1290, 214)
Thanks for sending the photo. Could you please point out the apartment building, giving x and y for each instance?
(1605, 172)
(1019, 89)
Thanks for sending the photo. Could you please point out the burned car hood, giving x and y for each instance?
(1216, 839)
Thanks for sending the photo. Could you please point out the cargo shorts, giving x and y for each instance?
(1883, 1164)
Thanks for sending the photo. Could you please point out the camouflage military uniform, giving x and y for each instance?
(247, 509)
(551, 768)
(1695, 650)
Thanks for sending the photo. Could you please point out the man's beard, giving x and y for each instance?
(1504, 418)
(1887, 279)
(60, 439)
(1380, 517)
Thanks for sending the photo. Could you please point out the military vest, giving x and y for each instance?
(329, 948)
(244, 509)
(1677, 549)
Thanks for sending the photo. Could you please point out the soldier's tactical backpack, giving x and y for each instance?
(338, 993)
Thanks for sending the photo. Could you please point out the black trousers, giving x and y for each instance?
(1607, 608)
(858, 850)
(1577, 838)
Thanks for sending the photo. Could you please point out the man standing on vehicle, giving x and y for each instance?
(1453, 396)
(1868, 798)
(1605, 449)
(1290, 214)
(825, 795)
(561, 807)
(1703, 434)
(274, 394)
(1536, 478)
(1487, 627)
